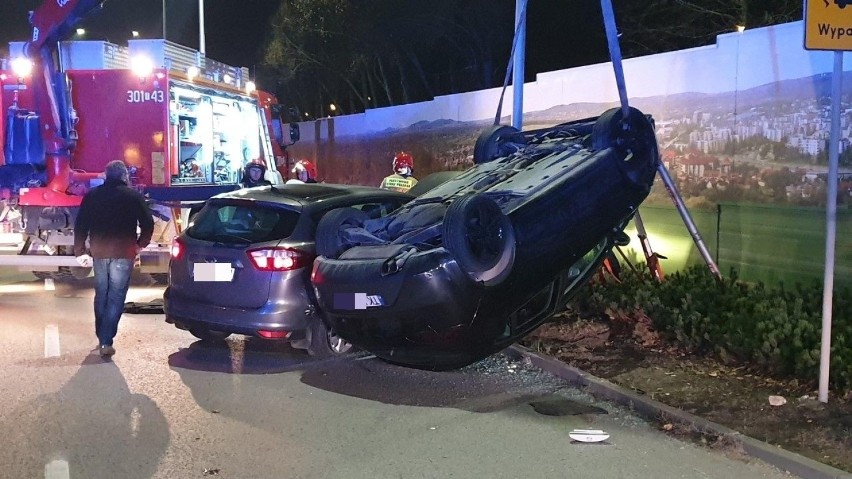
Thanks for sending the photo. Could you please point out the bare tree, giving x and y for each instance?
(375, 53)
(655, 26)
(385, 52)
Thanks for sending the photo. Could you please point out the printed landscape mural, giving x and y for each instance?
(743, 127)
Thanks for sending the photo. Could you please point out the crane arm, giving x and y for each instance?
(53, 22)
(55, 19)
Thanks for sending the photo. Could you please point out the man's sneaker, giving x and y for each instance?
(106, 351)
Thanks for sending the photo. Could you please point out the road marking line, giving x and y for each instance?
(57, 469)
(49, 285)
(135, 416)
(51, 341)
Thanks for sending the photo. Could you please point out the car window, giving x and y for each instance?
(242, 223)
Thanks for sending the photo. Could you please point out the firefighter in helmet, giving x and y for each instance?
(254, 175)
(403, 169)
(305, 172)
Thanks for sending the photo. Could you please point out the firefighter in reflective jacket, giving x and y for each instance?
(401, 179)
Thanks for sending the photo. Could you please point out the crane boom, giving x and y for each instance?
(55, 19)
(52, 23)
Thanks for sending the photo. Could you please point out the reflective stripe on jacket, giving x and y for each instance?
(399, 183)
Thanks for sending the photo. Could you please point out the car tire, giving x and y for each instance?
(489, 143)
(324, 343)
(160, 278)
(328, 242)
(608, 131)
(208, 334)
(480, 238)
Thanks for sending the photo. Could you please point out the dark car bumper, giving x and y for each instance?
(432, 315)
(426, 307)
(186, 313)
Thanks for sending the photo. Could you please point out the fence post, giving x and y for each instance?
(718, 229)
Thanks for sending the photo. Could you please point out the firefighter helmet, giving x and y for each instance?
(254, 174)
(256, 165)
(306, 166)
(403, 160)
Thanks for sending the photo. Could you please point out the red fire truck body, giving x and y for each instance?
(185, 125)
(173, 133)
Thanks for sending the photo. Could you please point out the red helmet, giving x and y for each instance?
(403, 160)
(306, 166)
(256, 163)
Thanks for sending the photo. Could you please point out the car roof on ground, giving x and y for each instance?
(308, 193)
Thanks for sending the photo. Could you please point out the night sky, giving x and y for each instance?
(234, 29)
(560, 33)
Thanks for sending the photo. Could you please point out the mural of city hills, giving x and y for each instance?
(743, 127)
(764, 144)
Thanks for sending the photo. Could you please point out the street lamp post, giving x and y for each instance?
(201, 40)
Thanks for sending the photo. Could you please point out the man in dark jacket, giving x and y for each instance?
(108, 218)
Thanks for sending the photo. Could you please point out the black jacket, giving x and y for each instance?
(108, 217)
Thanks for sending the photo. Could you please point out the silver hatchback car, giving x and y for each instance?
(243, 264)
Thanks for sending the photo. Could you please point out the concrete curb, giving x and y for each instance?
(780, 458)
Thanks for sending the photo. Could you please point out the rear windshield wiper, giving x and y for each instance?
(219, 237)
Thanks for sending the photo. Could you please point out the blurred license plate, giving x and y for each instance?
(212, 272)
(357, 301)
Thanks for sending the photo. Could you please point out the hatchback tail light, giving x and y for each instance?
(177, 249)
(278, 259)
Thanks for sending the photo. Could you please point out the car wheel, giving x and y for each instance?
(489, 143)
(480, 237)
(324, 342)
(638, 141)
(328, 240)
(208, 334)
(160, 278)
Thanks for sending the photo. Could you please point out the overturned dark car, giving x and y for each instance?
(474, 264)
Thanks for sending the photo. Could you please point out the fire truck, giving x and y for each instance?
(185, 125)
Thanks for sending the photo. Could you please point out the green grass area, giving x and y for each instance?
(762, 242)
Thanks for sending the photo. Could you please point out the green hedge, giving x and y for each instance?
(777, 328)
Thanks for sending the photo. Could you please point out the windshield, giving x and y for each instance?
(242, 223)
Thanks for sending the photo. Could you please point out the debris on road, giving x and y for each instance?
(588, 435)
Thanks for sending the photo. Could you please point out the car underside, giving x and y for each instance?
(478, 262)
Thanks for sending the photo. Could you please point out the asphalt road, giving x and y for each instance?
(169, 406)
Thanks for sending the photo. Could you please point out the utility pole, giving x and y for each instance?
(519, 60)
(201, 40)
